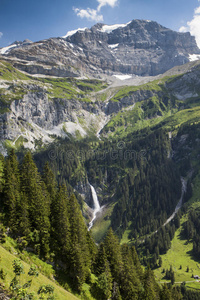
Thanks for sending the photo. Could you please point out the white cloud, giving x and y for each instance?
(1, 34)
(197, 10)
(93, 14)
(89, 13)
(193, 26)
(183, 29)
(102, 3)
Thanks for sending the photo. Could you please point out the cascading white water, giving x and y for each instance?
(97, 207)
(178, 206)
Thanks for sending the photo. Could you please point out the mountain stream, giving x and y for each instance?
(178, 206)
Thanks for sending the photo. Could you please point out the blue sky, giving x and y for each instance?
(40, 19)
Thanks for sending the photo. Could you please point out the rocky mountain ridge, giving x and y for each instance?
(139, 47)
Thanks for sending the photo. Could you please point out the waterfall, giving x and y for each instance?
(97, 207)
(178, 206)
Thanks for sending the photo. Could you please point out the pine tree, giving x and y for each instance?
(113, 254)
(151, 289)
(49, 180)
(80, 260)
(11, 192)
(24, 227)
(1, 172)
(165, 293)
(38, 203)
(130, 283)
(60, 226)
(101, 260)
(105, 283)
(136, 262)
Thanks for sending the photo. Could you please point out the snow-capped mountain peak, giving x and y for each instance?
(71, 32)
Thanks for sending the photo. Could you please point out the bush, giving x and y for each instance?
(2, 274)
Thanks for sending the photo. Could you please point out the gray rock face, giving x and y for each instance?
(36, 112)
(141, 47)
(187, 85)
(36, 116)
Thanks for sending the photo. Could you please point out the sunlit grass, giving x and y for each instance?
(7, 258)
(180, 254)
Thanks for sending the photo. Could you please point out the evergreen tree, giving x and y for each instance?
(165, 293)
(1, 173)
(130, 283)
(151, 289)
(38, 203)
(101, 260)
(113, 253)
(49, 180)
(80, 260)
(60, 226)
(11, 192)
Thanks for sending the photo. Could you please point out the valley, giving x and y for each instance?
(100, 169)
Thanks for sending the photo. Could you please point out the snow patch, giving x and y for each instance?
(70, 33)
(123, 77)
(110, 28)
(37, 44)
(7, 49)
(113, 46)
(193, 57)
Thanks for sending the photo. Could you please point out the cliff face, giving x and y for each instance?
(139, 47)
(35, 110)
(37, 115)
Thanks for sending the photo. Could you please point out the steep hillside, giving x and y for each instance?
(115, 111)
(37, 110)
(7, 259)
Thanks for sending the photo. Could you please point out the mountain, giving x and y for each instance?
(55, 113)
(140, 47)
(115, 110)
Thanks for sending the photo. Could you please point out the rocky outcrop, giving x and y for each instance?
(140, 47)
(36, 116)
(186, 86)
(132, 98)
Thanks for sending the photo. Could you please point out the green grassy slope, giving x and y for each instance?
(8, 72)
(7, 259)
(180, 254)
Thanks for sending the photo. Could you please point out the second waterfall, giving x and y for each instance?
(96, 204)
